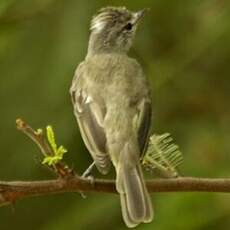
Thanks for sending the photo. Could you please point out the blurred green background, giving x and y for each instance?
(184, 47)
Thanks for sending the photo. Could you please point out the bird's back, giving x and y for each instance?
(115, 75)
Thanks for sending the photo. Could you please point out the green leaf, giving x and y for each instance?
(61, 150)
(57, 151)
(51, 138)
(51, 160)
(162, 154)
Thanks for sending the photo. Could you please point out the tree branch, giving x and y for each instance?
(69, 181)
(16, 190)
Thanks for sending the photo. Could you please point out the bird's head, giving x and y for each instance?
(113, 29)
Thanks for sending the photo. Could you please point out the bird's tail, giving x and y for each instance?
(135, 201)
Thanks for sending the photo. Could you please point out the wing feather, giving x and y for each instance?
(90, 113)
(144, 124)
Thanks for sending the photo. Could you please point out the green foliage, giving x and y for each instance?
(58, 151)
(162, 154)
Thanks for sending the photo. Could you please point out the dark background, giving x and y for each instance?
(184, 48)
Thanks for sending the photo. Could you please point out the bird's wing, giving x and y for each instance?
(144, 123)
(90, 113)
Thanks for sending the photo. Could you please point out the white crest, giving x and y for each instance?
(105, 16)
(100, 20)
(97, 25)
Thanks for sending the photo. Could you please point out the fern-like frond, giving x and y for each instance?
(162, 154)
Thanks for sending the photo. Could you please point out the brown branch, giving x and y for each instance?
(12, 191)
(69, 181)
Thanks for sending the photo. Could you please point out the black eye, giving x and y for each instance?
(128, 26)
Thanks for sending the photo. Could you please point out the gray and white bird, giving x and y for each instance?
(111, 100)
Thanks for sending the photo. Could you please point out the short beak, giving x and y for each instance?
(138, 15)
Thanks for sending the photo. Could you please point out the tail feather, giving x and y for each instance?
(148, 203)
(135, 194)
(126, 216)
(135, 201)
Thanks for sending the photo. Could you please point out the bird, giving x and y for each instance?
(112, 104)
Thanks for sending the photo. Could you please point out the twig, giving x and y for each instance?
(39, 139)
(12, 191)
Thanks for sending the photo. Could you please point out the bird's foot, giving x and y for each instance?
(87, 175)
(88, 171)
